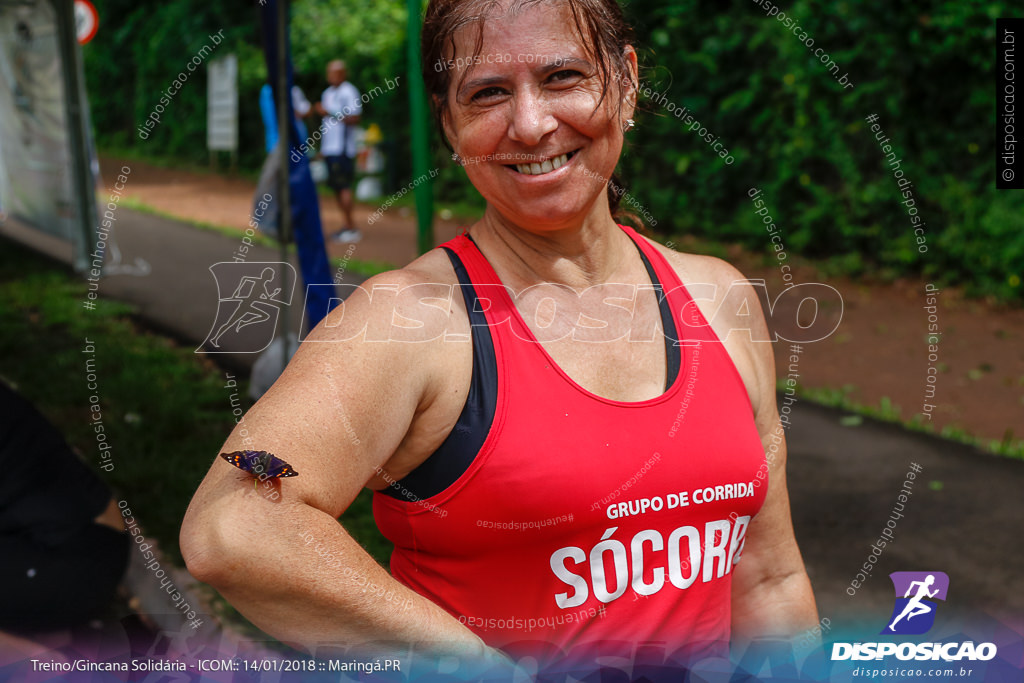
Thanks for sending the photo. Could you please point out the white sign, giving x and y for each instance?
(222, 104)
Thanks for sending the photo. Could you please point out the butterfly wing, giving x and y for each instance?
(260, 464)
(240, 459)
(279, 468)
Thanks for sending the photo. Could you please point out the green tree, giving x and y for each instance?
(926, 69)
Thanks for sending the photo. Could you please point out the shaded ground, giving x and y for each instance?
(961, 516)
(879, 350)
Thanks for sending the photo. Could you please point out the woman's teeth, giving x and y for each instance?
(545, 167)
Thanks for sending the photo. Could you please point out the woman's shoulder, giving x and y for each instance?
(726, 298)
(432, 267)
(732, 307)
(704, 273)
(386, 302)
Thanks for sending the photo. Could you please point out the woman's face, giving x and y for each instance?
(531, 96)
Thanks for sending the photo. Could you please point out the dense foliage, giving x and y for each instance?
(141, 48)
(926, 69)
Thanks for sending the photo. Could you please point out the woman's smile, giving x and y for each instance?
(544, 167)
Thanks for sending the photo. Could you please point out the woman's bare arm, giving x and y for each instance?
(338, 414)
(771, 593)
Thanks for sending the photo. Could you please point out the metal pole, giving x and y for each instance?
(284, 221)
(78, 132)
(424, 192)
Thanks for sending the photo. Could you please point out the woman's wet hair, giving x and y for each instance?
(601, 25)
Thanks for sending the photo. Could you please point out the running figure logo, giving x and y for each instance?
(255, 302)
(914, 612)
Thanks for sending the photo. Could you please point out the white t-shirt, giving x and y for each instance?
(339, 101)
(299, 102)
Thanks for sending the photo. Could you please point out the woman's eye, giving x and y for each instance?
(565, 75)
(486, 93)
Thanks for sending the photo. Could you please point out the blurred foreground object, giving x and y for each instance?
(61, 539)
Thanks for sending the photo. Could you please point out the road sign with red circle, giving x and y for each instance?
(87, 20)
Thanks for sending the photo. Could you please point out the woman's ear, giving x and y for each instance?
(446, 122)
(630, 81)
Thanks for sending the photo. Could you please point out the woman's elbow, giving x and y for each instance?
(206, 549)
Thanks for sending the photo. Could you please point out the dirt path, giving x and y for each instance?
(227, 201)
(881, 350)
(880, 347)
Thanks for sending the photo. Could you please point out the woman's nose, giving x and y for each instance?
(532, 119)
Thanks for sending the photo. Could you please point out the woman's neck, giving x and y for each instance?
(578, 256)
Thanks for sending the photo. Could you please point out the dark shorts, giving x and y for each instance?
(340, 171)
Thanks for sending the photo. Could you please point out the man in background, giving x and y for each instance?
(342, 107)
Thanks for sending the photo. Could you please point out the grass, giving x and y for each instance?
(887, 411)
(179, 164)
(164, 408)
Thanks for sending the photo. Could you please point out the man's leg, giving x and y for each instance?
(345, 198)
(336, 181)
(339, 196)
(344, 177)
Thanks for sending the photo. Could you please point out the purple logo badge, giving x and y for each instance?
(914, 612)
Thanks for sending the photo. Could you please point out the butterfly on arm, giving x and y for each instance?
(260, 464)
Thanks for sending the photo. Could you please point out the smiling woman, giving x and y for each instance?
(541, 395)
(592, 76)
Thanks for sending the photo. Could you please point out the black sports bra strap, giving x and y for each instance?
(673, 353)
(454, 456)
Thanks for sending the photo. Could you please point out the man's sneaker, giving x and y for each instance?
(348, 235)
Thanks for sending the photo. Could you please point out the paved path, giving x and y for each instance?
(963, 515)
(179, 295)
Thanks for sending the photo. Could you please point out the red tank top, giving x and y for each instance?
(585, 524)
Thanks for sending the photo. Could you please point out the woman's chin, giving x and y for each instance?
(545, 216)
